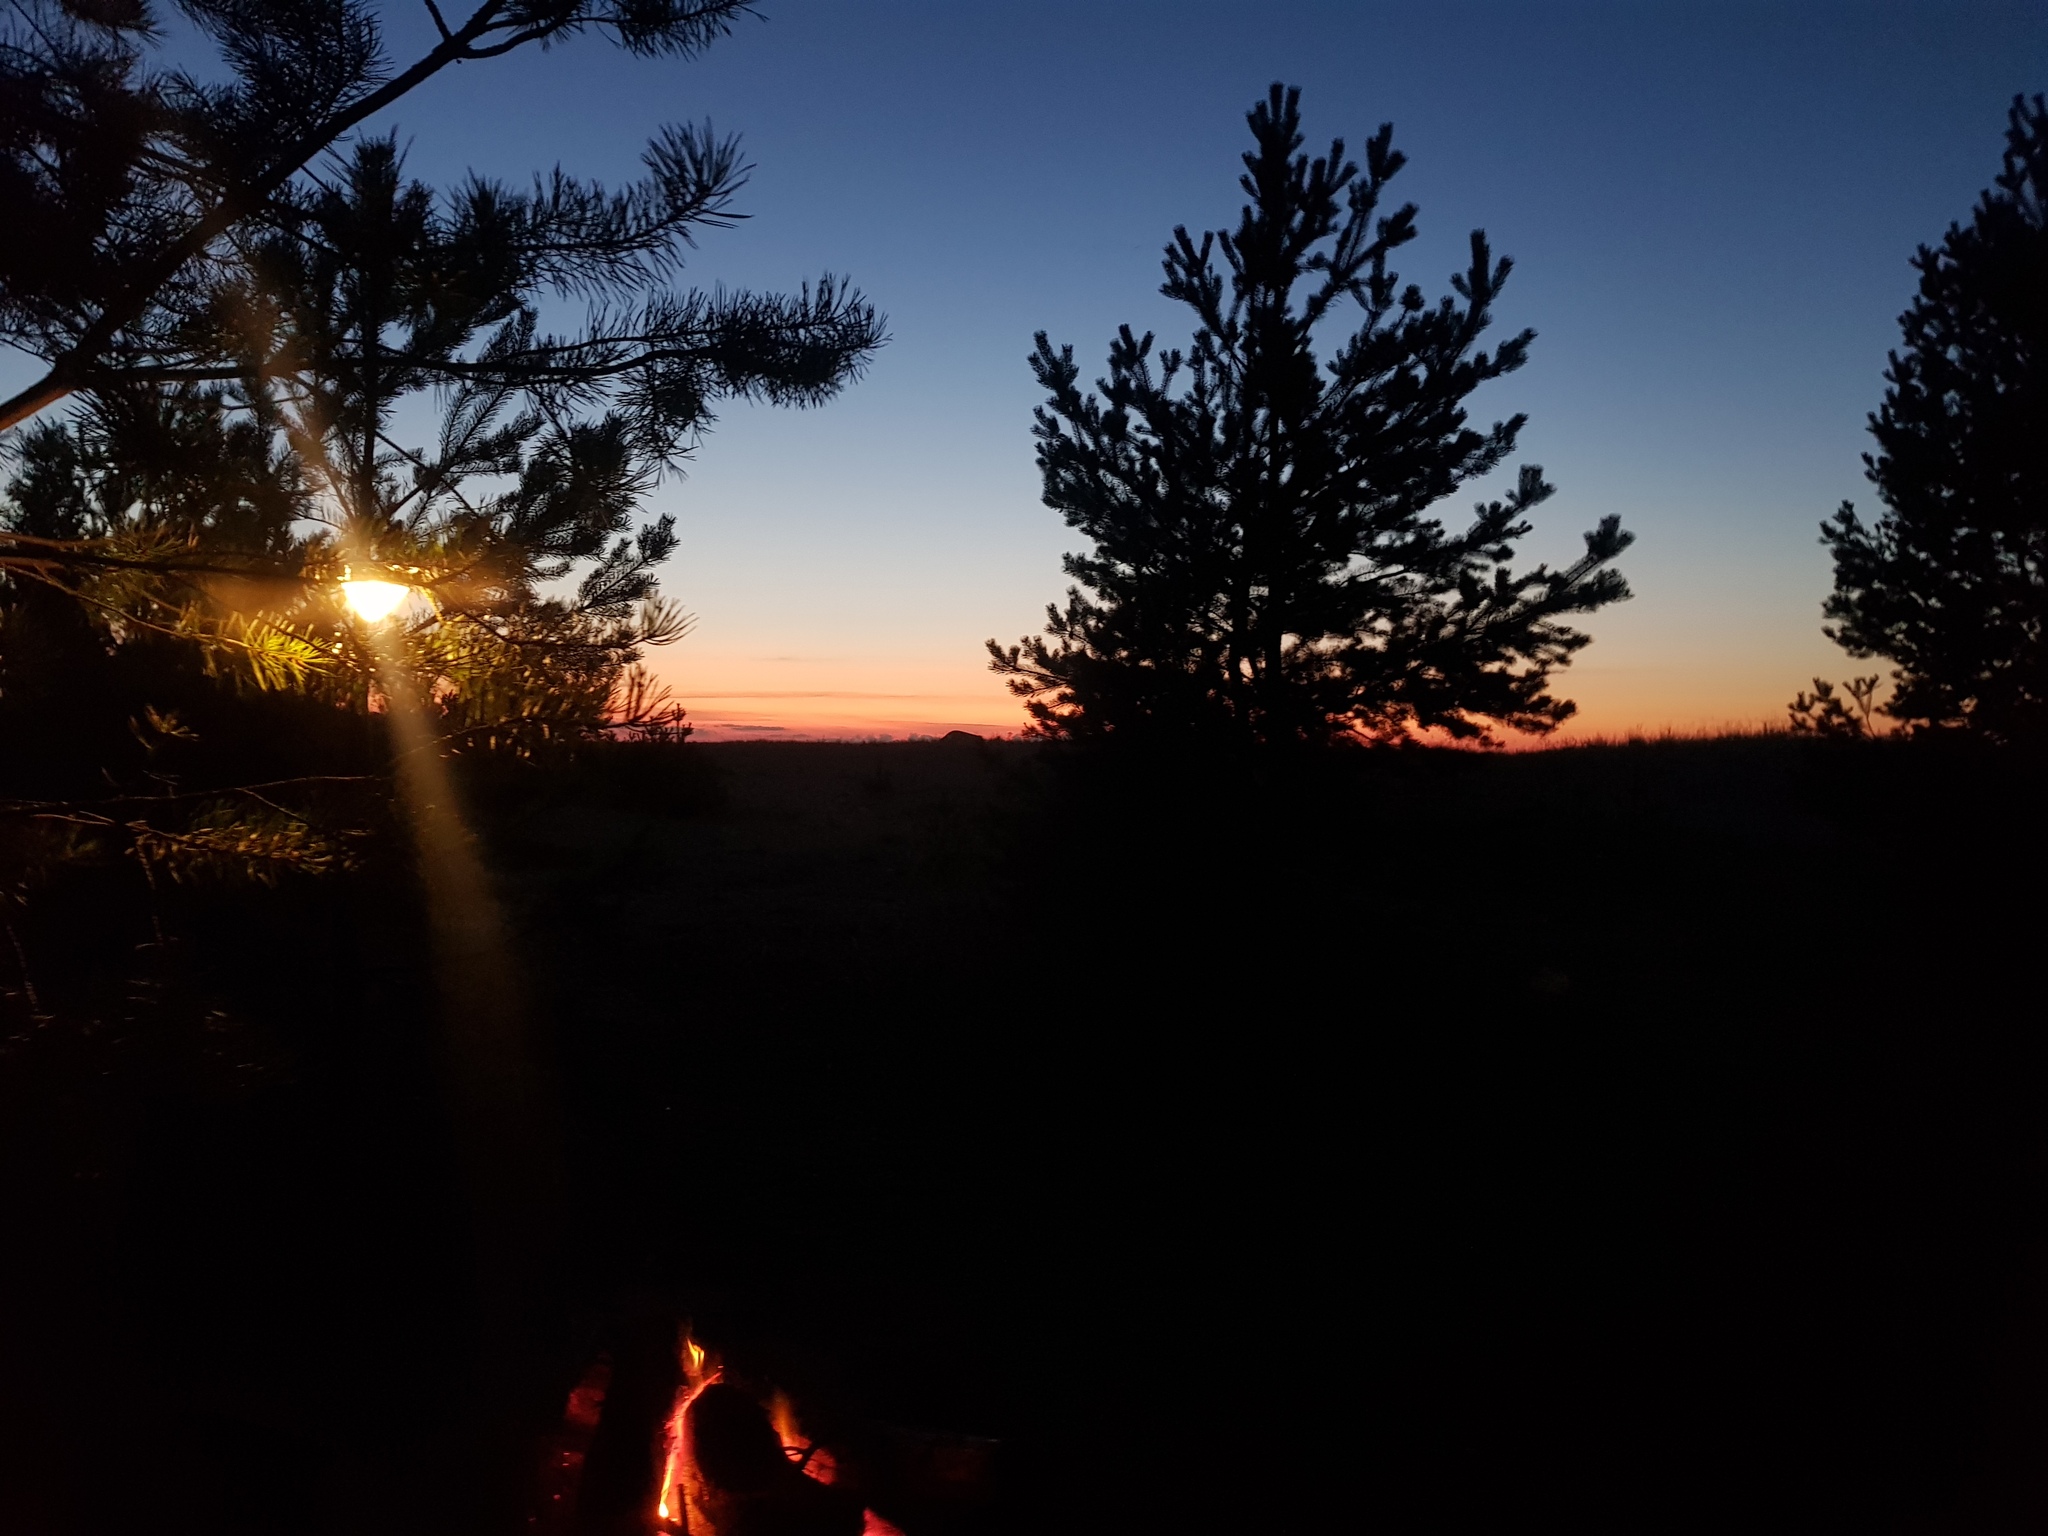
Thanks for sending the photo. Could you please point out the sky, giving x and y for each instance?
(1711, 208)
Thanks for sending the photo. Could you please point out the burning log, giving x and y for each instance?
(738, 1477)
(731, 1458)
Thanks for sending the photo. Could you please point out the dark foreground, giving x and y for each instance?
(1634, 1138)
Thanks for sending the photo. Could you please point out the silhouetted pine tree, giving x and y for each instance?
(127, 179)
(1265, 567)
(221, 316)
(226, 513)
(1951, 584)
(373, 377)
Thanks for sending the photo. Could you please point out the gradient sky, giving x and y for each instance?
(1711, 209)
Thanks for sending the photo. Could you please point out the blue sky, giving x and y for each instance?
(1711, 208)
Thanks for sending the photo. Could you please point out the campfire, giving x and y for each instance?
(735, 1459)
(732, 1466)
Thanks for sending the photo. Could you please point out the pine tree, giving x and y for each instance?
(1951, 584)
(227, 513)
(203, 297)
(378, 380)
(128, 182)
(1265, 566)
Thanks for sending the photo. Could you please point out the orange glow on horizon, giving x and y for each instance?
(841, 697)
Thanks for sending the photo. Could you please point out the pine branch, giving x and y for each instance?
(236, 198)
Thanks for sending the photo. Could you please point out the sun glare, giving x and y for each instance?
(373, 601)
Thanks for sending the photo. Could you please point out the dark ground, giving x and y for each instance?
(1633, 1138)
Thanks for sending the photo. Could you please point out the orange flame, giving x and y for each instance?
(674, 1507)
(816, 1461)
(672, 1500)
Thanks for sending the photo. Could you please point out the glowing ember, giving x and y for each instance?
(561, 1468)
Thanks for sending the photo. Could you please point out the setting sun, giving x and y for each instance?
(373, 601)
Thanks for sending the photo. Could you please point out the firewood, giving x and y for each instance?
(746, 1485)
